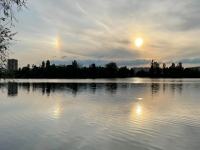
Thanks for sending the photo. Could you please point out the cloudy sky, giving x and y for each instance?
(101, 31)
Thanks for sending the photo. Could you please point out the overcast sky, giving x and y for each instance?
(101, 31)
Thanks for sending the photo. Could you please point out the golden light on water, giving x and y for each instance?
(139, 42)
(138, 110)
(57, 111)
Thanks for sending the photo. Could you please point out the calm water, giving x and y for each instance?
(118, 114)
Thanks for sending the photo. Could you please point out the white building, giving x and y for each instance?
(12, 65)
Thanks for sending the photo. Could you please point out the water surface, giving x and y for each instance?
(103, 114)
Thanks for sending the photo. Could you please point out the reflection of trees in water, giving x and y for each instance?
(48, 89)
(179, 87)
(124, 85)
(75, 88)
(93, 87)
(12, 89)
(3, 87)
(176, 87)
(24, 86)
(111, 88)
(155, 88)
(43, 89)
(164, 87)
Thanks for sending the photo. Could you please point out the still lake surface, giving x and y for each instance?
(102, 114)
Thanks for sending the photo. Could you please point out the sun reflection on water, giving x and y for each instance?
(138, 110)
(57, 111)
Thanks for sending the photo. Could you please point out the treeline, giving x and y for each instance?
(173, 71)
(75, 70)
(110, 70)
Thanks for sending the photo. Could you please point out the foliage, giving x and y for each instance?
(110, 70)
(6, 36)
(74, 70)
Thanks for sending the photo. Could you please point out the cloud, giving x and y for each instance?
(105, 30)
(190, 61)
(63, 57)
(111, 54)
(129, 63)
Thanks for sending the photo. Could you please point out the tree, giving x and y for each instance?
(111, 70)
(179, 70)
(179, 65)
(154, 70)
(92, 70)
(123, 72)
(165, 70)
(164, 65)
(48, 64)
(6, 17)
(132, 72)
(75, 70)
(43, 64)
(76, 65)
(151, 70)
(157, 69)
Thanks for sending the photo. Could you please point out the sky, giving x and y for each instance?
(101, 31)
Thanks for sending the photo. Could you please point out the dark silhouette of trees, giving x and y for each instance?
(191, 73)
(165, 70)
(151, 70)
(176, 71)
(75, 70)
(48, 64)
(123, 72)
(155, 70)
(142, 73)
(110, 70)
(131, 72)
(43, 64)
(93, 71)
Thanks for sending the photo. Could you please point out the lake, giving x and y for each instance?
(101, 114)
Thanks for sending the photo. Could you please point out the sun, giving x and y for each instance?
(139, 42)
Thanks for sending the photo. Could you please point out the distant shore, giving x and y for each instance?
(110, 70)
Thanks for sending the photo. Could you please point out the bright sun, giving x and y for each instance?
(138, 42)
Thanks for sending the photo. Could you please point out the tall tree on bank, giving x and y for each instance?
(6, 35)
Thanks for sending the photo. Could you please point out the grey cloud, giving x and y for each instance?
(63, 57)
(93, 29)
(182, 16)
(190, 61)
(137, 62)
(129, 63)
(99, 56)
(112, 54)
